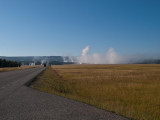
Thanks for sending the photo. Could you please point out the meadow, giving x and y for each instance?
(6, 69)
(129, 90)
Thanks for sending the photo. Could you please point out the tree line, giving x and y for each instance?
(8, 63)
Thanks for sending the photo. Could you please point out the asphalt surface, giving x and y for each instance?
(20, 102)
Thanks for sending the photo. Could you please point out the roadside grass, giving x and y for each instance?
(129, 90)
(16, 68)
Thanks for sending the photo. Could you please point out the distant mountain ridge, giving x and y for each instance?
(33, 58)
(37, 60)
(59, 60)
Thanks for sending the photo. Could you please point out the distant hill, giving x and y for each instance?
(59, 60)
(38, 60)
(151, 61)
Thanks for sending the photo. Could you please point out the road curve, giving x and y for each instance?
(19, 102)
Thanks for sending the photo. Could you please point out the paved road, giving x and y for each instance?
(19, 102)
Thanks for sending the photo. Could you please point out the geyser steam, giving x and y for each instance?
(111, 57)
(85, 50)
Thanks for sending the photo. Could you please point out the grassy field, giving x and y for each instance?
(16, 68)
(129, 90)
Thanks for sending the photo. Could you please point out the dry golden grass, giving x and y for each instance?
(129, 90)
(16, 68)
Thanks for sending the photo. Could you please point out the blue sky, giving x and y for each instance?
(60, 27)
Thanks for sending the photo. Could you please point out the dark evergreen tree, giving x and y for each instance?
(8, 63)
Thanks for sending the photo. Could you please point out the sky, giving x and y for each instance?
(65, 27)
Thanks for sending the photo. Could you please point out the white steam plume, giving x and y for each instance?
(111, 57)
(85, 50)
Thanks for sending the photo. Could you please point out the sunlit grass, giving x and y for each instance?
(129, 90)
(16, 68)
